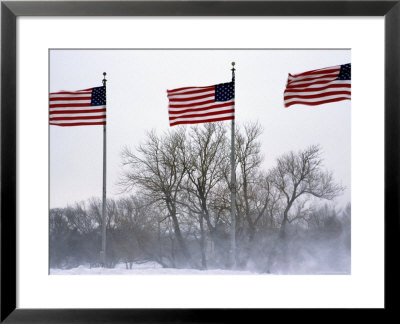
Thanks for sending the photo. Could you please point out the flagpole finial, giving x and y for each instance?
(104, 80)
(233, 70)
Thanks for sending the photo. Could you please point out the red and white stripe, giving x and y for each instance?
(316, 87)
(192, 105)
(72, 108)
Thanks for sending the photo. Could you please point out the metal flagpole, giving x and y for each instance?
(104, 210)
(233, 183)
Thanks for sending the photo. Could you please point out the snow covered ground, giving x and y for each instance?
(145, 269)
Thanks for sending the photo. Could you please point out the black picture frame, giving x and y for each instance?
(10, 10)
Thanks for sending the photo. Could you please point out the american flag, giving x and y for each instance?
(78, 108)
(318, 87)
(192, 105)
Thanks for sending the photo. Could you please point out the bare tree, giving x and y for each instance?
(248, 153)
(78, 218)
(157, 170)
(205, 155)
(300, 176)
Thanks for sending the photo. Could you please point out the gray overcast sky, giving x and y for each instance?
(137, 102)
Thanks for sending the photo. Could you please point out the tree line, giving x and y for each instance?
(176, 207)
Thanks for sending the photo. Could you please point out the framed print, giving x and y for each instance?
(196, 262)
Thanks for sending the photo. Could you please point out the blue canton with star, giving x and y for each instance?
(224, 91)
(345, 72)
(98, 96)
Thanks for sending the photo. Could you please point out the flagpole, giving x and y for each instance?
(104, 208)
(233, 183)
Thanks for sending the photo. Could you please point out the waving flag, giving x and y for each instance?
(78, 108)
(318, 87)
(192, 105)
